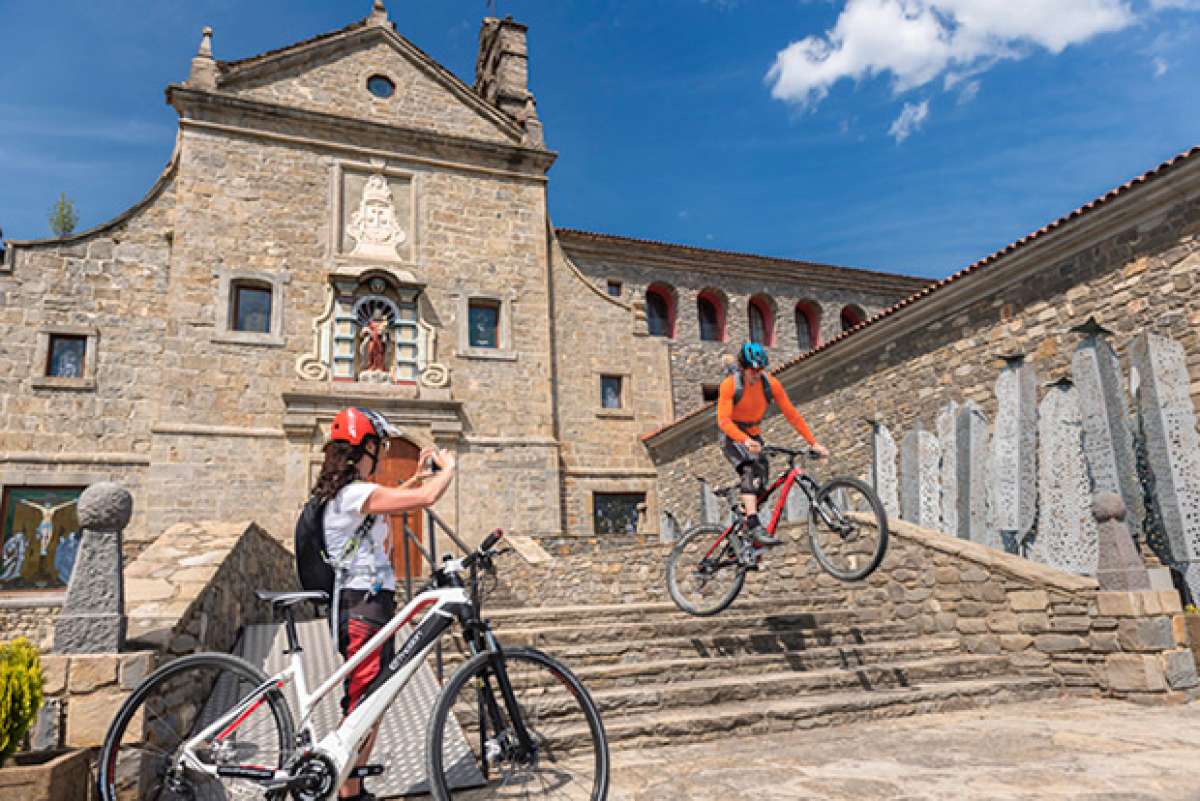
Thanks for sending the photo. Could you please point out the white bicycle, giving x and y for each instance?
(508, 724)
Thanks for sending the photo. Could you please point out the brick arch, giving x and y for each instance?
(762, 307)
(852, 316)
(664, 294)
(808, 325)
(719, 304)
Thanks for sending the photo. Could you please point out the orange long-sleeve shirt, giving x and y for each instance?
(750, 409)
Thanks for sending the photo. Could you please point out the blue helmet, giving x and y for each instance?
(753, 355)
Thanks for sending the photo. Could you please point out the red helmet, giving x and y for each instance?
(354, 424)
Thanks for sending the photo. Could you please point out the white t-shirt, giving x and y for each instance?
(371, 566)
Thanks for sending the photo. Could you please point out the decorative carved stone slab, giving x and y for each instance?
(971, 439)
(710, 504)
(797, 508)
(886, 482)
(1014, 453)
(947, 433)
(1066, 530)
(920, 484)
(1107, 439)
(1168, 423)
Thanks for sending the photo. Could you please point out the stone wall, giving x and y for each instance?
(1130, 263)
(735, 278)
(31, 617)
(193, 589)
(1131, 645)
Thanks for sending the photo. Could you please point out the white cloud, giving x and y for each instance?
(911, 118)
(968, 93)
(1186, 5)
(916, 41)
(1160, 66)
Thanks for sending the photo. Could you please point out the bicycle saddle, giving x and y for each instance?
(289, 598)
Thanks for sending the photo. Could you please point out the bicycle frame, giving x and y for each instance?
(342, 744)
(794, 477)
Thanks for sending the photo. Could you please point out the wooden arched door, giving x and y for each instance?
(397, 464)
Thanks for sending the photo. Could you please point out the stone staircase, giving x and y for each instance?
(662, 677)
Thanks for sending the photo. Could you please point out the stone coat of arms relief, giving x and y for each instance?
(372, 328)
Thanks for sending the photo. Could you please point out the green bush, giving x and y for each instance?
(20, 693)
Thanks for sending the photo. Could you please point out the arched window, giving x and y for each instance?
(762, 321)
(660, 310)
(808, 325)
(711, 312)
(852, 316)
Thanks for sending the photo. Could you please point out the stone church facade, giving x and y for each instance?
(343, 221)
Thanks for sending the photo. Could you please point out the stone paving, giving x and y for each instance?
(1063, 749)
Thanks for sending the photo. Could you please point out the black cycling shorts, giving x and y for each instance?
(754, 470)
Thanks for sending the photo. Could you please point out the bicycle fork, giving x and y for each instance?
(491, 712)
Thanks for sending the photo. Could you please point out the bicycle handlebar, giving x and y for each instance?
(807, 453)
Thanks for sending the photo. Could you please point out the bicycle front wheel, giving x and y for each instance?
(847, 529)
(140, 756)
(473, 749)
(703, 574)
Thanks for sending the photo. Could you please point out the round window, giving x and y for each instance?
(380, 86)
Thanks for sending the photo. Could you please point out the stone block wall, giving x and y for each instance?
(193, 589)
(695, 363)
(30, 617)
(1130, 645)
(1132, 268)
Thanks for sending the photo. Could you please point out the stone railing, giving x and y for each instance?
(193, 589)
(1124, 644)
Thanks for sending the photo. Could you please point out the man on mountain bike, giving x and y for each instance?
(741, 403)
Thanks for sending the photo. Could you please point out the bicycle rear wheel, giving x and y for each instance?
(472, 752)
(140, 753)
(701, 579)
(847, 529)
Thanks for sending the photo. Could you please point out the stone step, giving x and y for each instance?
(536, 616)
(732, 623)
(672, 671)
(715, 721)
(687, 724)
(804, 646)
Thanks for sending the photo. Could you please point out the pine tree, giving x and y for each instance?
(63, 217)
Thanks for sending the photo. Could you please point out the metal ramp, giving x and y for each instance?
(400, 747)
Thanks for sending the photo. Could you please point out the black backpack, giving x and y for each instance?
(312, 560)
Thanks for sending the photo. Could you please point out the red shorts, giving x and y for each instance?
(360, 617)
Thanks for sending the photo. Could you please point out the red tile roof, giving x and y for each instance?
(986, 261)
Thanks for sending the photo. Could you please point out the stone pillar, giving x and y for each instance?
(920, 486)
(1107, 439)
(797, 508)
(93, 616)
(1168, 425)
(1066, 530)
(947, 434)
(1014, 453)
(883, 469)
(1119, 566)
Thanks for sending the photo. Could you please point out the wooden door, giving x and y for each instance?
(397, 464)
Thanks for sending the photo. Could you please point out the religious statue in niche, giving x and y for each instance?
(373, 346)
(374, 227)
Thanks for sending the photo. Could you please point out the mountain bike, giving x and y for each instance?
(508, 723)
(847, 533)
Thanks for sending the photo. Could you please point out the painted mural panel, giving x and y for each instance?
(41, 537)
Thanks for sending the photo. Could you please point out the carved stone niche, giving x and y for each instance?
(372, 330)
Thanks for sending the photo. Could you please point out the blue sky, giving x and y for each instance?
(912, 136)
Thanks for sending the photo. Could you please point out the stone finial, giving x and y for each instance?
(379, 14)
(1118, 564)
(105, 507)
(204, 68)
(205, 50)
(1108, 506)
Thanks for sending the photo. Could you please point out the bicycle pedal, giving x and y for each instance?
(365, 771)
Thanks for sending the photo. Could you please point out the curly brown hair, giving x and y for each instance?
(339, 468)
